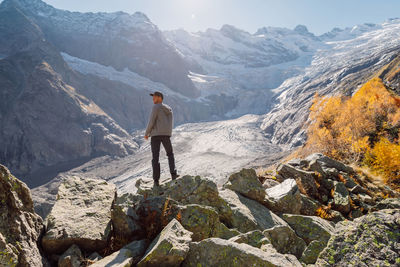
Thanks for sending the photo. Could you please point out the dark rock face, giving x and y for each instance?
(20, 227)
(371, 240)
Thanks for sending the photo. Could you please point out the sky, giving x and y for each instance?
(319, 16)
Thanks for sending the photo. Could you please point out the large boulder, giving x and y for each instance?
(285, 240)
(254, 238)
(309, 206)
(310, 227)
(371, 240)
(188, 190)
(169, 248)
(304, 179)
(221, 252)
(323, 164)
(20, 226)
(247, 214)
(81, 216)
(284, 198)
(388, 203)
(246, 183)
(341, 198)
(203, 222)
(129, 255)
(315, 231)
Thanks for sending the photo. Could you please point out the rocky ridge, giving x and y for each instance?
(247, 220)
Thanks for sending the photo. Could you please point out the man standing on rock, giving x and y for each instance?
(160, 130)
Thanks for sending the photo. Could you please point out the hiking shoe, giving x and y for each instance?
(174, 176)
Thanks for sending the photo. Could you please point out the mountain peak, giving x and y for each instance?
(302, 29)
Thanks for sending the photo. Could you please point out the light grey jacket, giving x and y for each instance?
(161, 120)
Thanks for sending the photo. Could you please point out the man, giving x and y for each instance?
(160, 130)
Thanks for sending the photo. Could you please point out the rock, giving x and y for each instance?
(20, 226)
(356, 213)
(71, 257)
(254, 238)
(268, 183)
(189, 190)
(220, 252)
(341, 198)
(95, 256)
(129, 255)
(312, 251)
(320, 163)
(304, 179)
(169, 248)
(358, 189)
(388, 203)
(203, 222)
(371, 240)
(123, 216)
(284, 198)
(246, 183)
(309, 206)
(310, 228)
(298, 163)
(81, 216)
(349, 181)
(247, 214)
(365, 198)
(285, 240)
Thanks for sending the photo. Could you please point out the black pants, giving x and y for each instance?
(155, 149)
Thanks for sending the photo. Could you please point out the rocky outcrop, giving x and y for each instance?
(254, 238)
(284, 198)
(20, 226)
(220, 252)
(246, 183)
(285, 240)
(371, 240)
(169, 248)
(81, 216)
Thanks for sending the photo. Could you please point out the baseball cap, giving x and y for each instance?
(158, 94)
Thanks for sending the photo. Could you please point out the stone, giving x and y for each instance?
(129, 255)
(388, 203)
(285, 240)
(254, 238)
(304, 179)
(349, 181)
(221, 252)
(203, 222)
(95, 256)
(370, 240)
(81, 216)
(189, 190)
(246, 183)
(20, 226)
(341, 198)
(312, 251)
(320, 163)
(365, 198)
(358, 189)
(71, 257)
(123, 216)
(310, 228)
(268, 183)
(169, 248)
(247, 214)
(309, 206)
(284, 198)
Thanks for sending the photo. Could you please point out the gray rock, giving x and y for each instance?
(169, 248)
(310, 227)
(341, 198)
(71, 257)
(349, 181)
(203, 222)
(309, 206)
(312, 251)
(247, 214)
(20, 226)
(268, 183)
(371, 240)
(358, 189)
(284, 198)
(126, 256)
(95, 256)
(123, 216)
(81, 215)
(220, 252)
(246, 183)
(254, 238)
(388, 203)
(321, 163)
(365, 198)
(285, 240)
(304, 179)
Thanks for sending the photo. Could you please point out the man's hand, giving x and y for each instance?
(146, 137)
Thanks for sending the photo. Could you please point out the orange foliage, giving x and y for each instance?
(363, 128)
